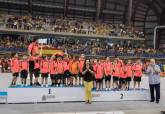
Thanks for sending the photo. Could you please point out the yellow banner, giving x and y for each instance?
(51, 51)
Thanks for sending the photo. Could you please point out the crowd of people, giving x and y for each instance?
(19, 44)
(71, 25)
(76, 46)
(106, 49)
(5, 65)
(10, 43)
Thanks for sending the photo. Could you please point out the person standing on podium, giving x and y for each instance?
(33, 49)
(88, 75)
(153, 72)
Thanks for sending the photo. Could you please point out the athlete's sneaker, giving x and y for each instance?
(31, 84)
(22, 85)
(11, 84)
(47, 85)
(42, 85)
(52, 84)
(14, 85)
(61, 85)
(35, 84)
(38, 84)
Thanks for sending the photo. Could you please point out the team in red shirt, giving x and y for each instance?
(68, 71)
(15, 68)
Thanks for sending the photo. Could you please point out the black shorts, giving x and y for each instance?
(108, 78)
(128, 79)
(122, 80)
(74, 75)
(56, 76)
(115, 78)
(137, 79)
(31, 66)
(45, 75)
(52, 76)
(24, 74)
(16, 74)
(37, 72)
(59, 76)
(67, 74)
(99, 80)
(80, 75)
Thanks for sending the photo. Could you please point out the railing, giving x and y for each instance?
(48, 30)
(125, 55)
(87, 53)
(12, 49)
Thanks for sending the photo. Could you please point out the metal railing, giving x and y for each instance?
(50, 28)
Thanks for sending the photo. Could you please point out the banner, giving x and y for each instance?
(51, 51)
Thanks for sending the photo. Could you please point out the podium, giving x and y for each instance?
(70, 94)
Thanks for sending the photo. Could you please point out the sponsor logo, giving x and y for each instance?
(121, 96)
(49, 96)
(95, 95)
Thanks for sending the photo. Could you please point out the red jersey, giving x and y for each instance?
(60, 69)
(99, 71)
(15, 66)
(44, 66)
(66, 66)
(122, 72)
(129, 70)
(138, 70)
(24, 64)
(37, 61)
(52, 66)
(116, 70)
(74, 67)
(120, 63)
(94, 67)
(108, 68)
(81, 65)
(33, 48)
(32, 58)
